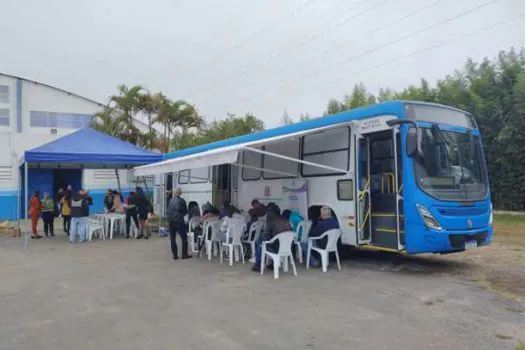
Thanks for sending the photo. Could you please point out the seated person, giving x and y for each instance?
(224, 208)
(324, 223)
(209, 212)
(275, 224)
(232, 216)
(257, 211)
(294, 218)
(193, 210)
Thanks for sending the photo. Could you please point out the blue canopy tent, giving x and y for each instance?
(83, 149)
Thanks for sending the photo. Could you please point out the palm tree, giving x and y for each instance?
(126, 104)
(148, 104)
(107, 123)
(182, 115)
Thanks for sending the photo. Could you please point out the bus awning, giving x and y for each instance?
(229, 155)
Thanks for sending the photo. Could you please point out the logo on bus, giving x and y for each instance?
(469, 223)
(267, 191)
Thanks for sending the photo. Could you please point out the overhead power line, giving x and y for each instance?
(261, 31)
(415, 53)
(377, 48)
(317, 35)
(365, 35)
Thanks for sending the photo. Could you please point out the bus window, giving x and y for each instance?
(289, 148)
(330, 148)
(199, 175)
(251, 159)
(184, 176)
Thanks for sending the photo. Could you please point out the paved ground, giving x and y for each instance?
(130, 295)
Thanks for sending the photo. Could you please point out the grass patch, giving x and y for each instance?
(502, 336)
(520, 346)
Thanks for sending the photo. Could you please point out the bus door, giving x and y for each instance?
(362, 189)
(221, 182)
(398, 177)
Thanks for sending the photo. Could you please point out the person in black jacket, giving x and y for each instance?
(79, 213)
(177, 209)
(131, 213)
(144, 207)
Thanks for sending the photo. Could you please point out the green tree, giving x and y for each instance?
(106, 122)
(218, 130)
(285, 119)
(125, 105)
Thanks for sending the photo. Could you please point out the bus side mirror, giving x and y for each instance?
(411, 144)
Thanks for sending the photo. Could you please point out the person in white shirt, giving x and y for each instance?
(233, 216)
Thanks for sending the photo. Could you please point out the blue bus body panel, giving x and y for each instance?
(460, 223)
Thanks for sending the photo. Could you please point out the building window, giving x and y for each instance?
(4, 94)
(41, 119)
(4, 117)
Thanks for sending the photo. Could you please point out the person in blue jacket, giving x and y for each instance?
(294, 218)
(326, 222)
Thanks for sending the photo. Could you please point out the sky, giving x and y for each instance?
(263, 57)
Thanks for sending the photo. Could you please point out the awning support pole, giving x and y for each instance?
(118, 180)
(296, 160)
(26, 206)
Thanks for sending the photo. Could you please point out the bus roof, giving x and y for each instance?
(227, 151)
(390, 107)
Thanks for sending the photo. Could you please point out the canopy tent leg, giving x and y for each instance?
(118, 181)
(26, 206)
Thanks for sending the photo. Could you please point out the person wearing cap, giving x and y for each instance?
(177, 210)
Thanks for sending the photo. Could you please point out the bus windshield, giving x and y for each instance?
(449, 165)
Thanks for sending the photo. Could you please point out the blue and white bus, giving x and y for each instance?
(400, 176)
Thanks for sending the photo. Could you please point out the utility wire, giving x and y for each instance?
(378, 48)
(279, 53)
(365, 35)
(415, 53)
(261, 31)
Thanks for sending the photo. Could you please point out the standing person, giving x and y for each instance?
(144, 207)
(35, 210)
(79, 212)
(131, 213)
(177, 209)
(65, 210)
(48, 214)
(117, 204)
(108, 200)
(58, 201)
(89, 200)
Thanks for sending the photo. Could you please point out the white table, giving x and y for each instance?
(111, 218)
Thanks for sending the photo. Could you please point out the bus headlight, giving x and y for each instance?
(491, 216)
(429, 219)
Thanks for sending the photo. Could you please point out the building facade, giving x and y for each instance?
(32, 114)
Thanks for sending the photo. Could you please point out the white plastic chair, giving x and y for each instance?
(285, 252)
(331, 246)
(194, 222)
(235, 232)
(301, 234)
(211, 238)
(253, 236)
(93, 226)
